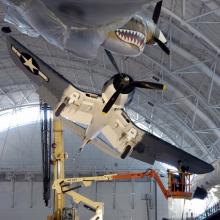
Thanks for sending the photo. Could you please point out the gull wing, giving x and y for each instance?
(152, 148)
(122, 133)
(49, 83)
(63, 97)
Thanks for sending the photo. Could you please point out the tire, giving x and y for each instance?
(60, 109)
(126, 152)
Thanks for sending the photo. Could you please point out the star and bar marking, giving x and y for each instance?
(29, 63)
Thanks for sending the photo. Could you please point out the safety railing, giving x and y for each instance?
(179, 184)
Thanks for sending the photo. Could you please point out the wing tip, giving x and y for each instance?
(208, 168)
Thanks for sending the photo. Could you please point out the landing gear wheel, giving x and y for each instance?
(62, 106)
(60, 109)
(126, 152)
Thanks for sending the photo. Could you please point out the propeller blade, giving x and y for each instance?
(162, 46)
(149, 85)
(111, 101)
(112, 59)
(157, 11)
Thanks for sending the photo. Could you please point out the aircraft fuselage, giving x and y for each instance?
(96, 119)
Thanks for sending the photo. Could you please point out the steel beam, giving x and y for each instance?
(201, 114)
(207, 130)
(196, 64)
(195, 112)
(191, 29)
(212, 81)
(184, 9)
(203, 15)
(212, 5)
(205, 22)
(7, 96)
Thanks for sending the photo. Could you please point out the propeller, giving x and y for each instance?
(157, 11)
(112, 59)
(126, 85)
(162, 46)
(131, 86)
(148, 85)
(159, 35)
(111, 101)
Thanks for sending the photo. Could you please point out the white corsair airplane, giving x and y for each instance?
(102, 113)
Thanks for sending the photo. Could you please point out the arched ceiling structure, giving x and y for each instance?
(188, 114)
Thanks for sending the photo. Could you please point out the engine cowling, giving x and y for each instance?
(112, 85)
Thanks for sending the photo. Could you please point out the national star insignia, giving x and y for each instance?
(29, 63)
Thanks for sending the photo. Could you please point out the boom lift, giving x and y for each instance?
(178, 183)
(59, 210)
(59, 157)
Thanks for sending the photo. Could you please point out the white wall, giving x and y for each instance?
(123, 201)
(22, 195)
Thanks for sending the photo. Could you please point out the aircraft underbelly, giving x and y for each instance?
(112, 137)
(79, 117)
(93, 13)
(98, 122)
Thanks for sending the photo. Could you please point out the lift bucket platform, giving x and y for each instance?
(179, 185)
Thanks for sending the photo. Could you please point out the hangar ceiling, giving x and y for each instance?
(188, 113)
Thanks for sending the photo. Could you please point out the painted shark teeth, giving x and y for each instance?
(132, 37)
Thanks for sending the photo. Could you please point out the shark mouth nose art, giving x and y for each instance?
(132, 37)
